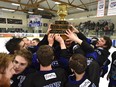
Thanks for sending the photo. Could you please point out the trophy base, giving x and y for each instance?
(60, 27)
(64, 37)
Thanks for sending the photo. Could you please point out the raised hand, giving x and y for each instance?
(51, 39)
(72, 36)
(73, 29)
(60, 40)
(49, 28)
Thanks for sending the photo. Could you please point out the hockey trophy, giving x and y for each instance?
(61, 25)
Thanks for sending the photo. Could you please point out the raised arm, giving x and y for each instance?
(72, 36)
(78, 33)
(51, 39)
(85, 46)
(60, 40)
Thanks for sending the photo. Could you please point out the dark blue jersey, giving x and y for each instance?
(17, 80)
(84, 82)
(52, 78)
(112, 72)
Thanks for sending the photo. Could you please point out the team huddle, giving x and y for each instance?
(56, 62)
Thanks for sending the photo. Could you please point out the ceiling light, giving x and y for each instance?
(11, 10)
(7, 9)
(80, 9)
(40, 9)
(30, 12)
(15, 4)
(57, 3)
(71, 19)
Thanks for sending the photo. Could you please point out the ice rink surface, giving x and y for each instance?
(103, 81)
